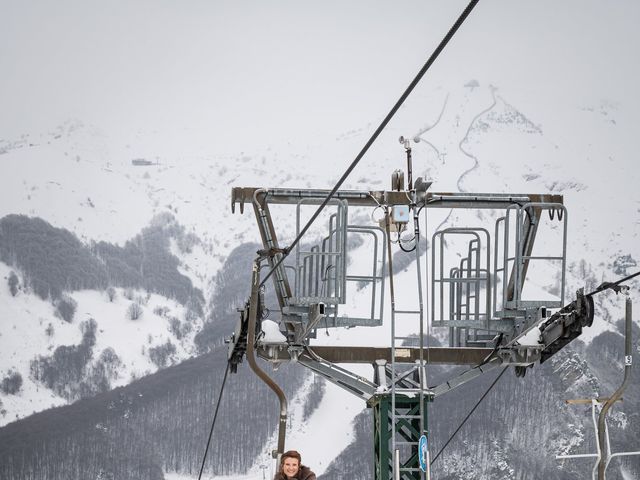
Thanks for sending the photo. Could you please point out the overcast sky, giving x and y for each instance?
(249, 70)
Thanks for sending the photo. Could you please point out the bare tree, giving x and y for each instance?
(134, 312)
(13, 283)
(111, 294)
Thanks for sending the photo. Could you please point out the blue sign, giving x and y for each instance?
(423, 452)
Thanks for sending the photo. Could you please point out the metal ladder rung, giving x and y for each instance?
(404, 442)
(408, 416)
(410, 390)
(407, 311)
(403, 345)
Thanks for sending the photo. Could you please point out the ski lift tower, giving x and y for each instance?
(474, 277)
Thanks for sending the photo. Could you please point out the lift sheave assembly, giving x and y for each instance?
(476, 290)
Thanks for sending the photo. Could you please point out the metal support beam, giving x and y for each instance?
(344, 379)
(432, 355)
(465, 377)
(373, 198)
(270, 243)
(529, 227)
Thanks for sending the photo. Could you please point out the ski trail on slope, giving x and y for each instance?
(419, 136)
(474, 158)
(466, 138)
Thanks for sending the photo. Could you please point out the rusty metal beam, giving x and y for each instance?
(433, 355)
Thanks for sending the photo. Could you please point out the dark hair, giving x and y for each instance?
(290, 454)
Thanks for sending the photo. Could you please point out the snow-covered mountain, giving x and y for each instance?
(505, 110)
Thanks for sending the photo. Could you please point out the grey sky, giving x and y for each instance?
(237, 70)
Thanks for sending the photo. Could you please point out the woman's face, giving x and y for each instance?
(290, 466)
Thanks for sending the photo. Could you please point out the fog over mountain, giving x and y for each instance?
(123, 128)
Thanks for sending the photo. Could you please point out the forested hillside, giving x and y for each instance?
(54, 261)
(159, 423)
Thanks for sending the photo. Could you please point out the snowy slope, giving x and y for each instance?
(481, 143)
(530, 102)
(26, 319)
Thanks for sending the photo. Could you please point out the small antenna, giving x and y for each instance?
(406, 143)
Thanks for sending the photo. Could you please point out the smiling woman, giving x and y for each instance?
(291, 468)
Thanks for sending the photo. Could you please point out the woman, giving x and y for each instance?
(291, 468)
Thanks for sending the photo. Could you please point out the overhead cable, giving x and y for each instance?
(375, 135)
(469, 415)
(612, 285)
(213, 423)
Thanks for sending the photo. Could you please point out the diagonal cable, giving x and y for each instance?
(606, 285)
(469, 415)
(375, 135)
(213, 423)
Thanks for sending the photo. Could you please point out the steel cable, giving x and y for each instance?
(612, 285)
(469, 415)
(375, 135)
(213, 423)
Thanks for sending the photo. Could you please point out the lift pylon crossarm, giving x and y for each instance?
(486, 200)
(369, 355)
(309, 306)
(373, 198)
